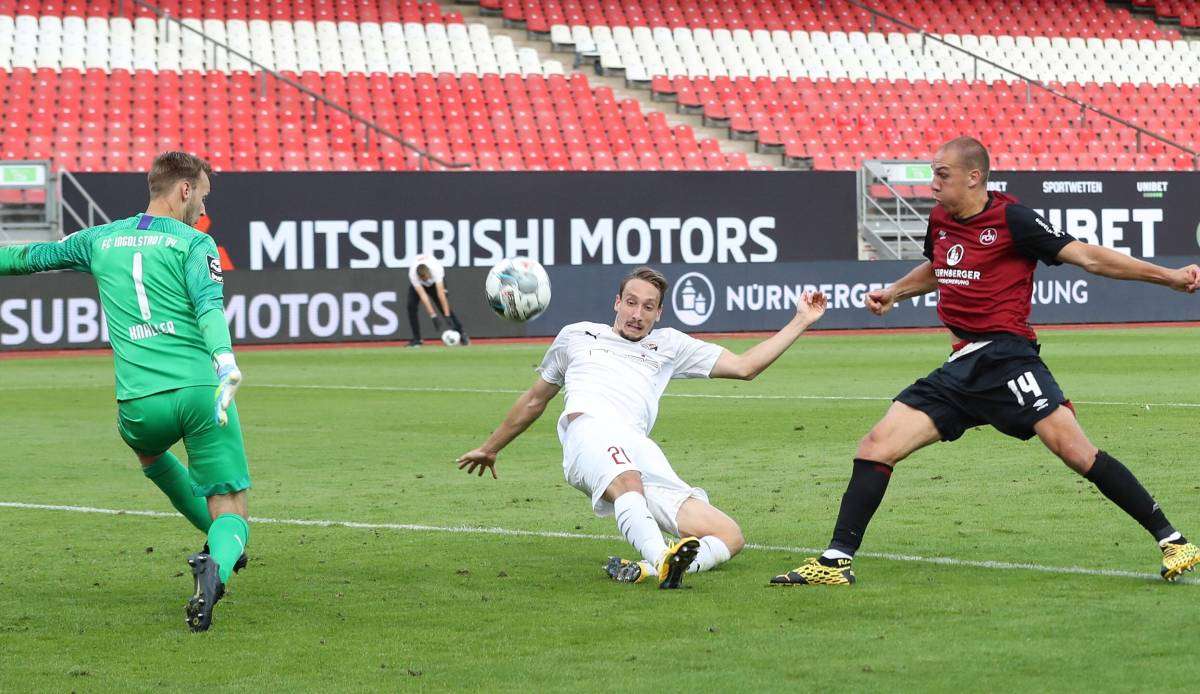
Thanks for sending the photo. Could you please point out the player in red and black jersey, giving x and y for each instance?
(982, 249)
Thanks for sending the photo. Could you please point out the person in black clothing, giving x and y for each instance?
(426, 274)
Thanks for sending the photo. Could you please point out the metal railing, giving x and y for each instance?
(33, 213)
(870, 175)
(93, 208)
(369, 126)
(1030, 83)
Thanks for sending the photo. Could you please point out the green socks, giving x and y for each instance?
(227, 535)
(227, 541)
(169, 475)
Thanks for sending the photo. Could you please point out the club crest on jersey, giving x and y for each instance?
(954, 255)
(214, 270)
(988, 236)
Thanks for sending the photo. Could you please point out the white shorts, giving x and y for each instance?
(596, 451)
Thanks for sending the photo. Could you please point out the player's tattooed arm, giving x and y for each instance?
(916, 283)
(524, 412)
(752, 362)
(1106, 262)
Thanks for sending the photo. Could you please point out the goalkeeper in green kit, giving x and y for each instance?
(161, 288)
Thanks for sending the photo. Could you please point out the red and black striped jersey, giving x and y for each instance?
(984, 266)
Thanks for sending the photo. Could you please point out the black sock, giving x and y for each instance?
(1116, 482)
(868, 482)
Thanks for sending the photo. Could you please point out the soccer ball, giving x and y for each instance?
(450, 338)
(518, 289)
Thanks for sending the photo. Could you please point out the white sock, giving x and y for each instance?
(639, 527)
(835, 554)
(712, 554)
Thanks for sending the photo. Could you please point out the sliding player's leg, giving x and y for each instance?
(150, 426)
(597, 460)
(219, 473)
(720, 537)
(684, 511)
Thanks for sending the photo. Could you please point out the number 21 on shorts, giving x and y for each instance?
(1025, 383)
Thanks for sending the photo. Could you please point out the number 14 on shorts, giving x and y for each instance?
(1026, 383)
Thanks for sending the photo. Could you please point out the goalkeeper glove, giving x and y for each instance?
(440, 324)
(229, 377)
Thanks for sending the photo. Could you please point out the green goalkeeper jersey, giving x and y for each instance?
(161, 288)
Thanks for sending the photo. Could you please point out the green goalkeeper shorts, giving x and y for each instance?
(216, 455)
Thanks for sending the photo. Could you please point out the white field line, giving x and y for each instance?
(512, 391)
(470, 530)
(714, 396)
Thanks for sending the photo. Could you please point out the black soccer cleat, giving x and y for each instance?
(209, 590)
(625, 571)
(237, 565)
(676, 561)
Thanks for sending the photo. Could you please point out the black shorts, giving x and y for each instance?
(1002, 382)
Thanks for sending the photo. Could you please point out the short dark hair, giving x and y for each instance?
(646, 274)
(172, 167)
(974, 154)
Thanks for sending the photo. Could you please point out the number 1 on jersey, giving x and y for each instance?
(143, 300)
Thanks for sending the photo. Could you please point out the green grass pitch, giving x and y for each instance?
(92, 602)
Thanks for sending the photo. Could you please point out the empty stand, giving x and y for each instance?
(122, 119)
(104, 85)
(1067, 18)
(824, 84)
(453, 89)
(838, 123)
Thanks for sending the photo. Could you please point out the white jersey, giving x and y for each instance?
(436, 272)
(609, 377)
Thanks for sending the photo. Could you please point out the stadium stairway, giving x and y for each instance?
(698, 123)
(94, 90)
(827, 85)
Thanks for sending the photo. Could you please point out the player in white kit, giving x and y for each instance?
(614, 376)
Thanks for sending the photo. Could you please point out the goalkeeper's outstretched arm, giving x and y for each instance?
(524, 412)
(72, 253)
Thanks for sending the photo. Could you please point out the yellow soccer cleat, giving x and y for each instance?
(813, 572)
(675, 562)
(625, 571)
(1179, 557)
